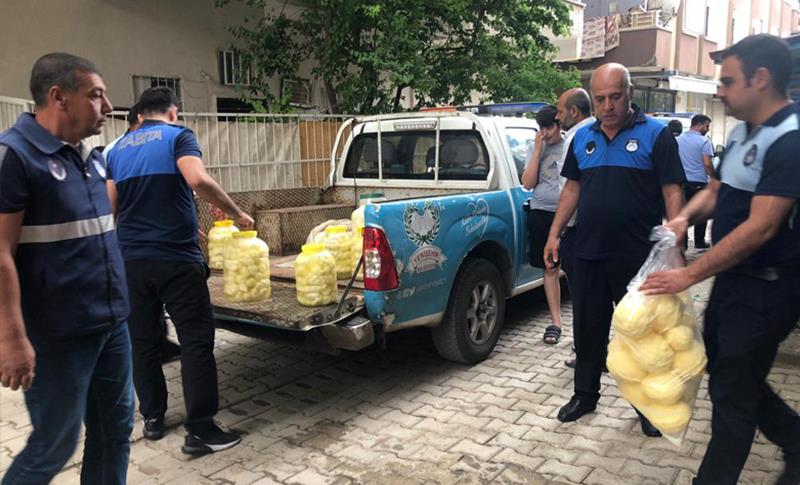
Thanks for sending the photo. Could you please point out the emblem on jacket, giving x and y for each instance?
(632, 145)
(57, 169)
(590, 147)
(750, 156)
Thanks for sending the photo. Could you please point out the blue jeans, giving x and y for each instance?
(88, 379)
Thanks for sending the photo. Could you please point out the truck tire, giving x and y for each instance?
(474, 316)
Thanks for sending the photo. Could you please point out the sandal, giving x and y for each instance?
(551, 334)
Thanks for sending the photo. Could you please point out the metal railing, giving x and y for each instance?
(242, 152)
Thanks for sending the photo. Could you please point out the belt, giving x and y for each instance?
(768, 273)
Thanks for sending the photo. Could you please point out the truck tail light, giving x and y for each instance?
(379, 271)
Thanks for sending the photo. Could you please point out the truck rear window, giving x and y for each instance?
(412, 155)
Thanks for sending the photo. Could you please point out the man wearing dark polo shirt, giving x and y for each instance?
(619, 171)
(152, 172)
(755, 257)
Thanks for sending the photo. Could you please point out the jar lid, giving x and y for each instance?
(223, 223)
(245, 234)
(336, 229)
(312, 247)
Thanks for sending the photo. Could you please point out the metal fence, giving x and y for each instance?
(243, 152)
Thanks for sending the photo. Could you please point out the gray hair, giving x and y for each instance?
(580, 99)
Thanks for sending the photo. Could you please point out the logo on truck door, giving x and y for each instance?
(421, 226)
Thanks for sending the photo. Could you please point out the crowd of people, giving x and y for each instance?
(94, 248)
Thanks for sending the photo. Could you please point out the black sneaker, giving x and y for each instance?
(153, 429)
(210, 440)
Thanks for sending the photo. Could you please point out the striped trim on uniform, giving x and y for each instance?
(65, 231)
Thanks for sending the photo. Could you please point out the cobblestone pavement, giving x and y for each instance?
(403, 415)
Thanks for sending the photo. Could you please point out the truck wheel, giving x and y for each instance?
(475, 314)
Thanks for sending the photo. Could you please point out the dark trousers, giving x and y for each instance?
(566, 252)
(81, 379)
(596, 286)
(182, 288)
(690, 189)
(745, 321)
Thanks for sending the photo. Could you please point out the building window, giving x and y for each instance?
(297, 90)
(652, 100)
(232, 69)
(142, 83)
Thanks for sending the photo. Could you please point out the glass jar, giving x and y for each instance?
(315, 276)
(218, 237)
(337, 240)
(245, 275)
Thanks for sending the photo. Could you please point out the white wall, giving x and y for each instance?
(174, 38)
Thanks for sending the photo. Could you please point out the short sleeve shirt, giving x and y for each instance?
(762, 160)
(692, 147)
(548, 186)
(157, 219)
(621, 179)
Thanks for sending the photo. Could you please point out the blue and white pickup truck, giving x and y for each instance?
(450, 243)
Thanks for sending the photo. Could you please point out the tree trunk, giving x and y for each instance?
(397, 96)
(330, 92)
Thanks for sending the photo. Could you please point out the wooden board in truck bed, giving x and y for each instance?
(282, 310)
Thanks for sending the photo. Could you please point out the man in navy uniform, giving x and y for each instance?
(152, 173)
(63, 298)
(755, 257)
(621, 171)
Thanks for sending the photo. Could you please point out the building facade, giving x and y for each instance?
(182, 44)
(666, 46)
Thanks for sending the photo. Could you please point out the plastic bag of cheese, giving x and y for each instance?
(656, 355)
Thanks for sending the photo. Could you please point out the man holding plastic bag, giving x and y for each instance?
(755, 301)
(621, 171)
(657, 355)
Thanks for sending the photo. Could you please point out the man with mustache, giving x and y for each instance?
(618, 170)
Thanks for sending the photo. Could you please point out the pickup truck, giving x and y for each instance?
(445, 250)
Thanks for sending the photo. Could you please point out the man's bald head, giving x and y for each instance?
(611, 74)
(612, 92)
(574, 105)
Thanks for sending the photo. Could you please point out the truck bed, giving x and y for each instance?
(282, 310)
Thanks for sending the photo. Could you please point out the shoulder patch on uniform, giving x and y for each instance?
(632, 145)
(590, 147)
(750, 156)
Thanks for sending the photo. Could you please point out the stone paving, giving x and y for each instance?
(404, 416)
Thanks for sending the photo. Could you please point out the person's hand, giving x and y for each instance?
(667, 282)
(17, 363)
(550, 255)
(538, 141)
(679, 225)
(244, 222)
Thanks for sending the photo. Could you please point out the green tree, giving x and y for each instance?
(367, 52)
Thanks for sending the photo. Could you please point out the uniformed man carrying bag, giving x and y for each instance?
(756, 257)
